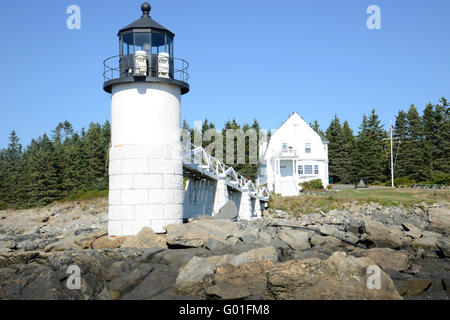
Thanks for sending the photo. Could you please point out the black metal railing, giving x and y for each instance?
(119, 67)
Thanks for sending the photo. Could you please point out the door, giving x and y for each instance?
(286, 168)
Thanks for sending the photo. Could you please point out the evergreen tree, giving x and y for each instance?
(414, 153)
(316, 127)
(336, 151)
(12, 169)
(441, 154)
(348, 140)
(430, 137)
(370, 157)
(94, 156)
(3, 176)
(400, 132)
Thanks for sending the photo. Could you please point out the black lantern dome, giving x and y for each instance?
(145, 35)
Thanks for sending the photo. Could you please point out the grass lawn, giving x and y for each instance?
(329, 200)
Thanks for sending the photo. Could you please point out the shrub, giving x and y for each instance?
(403, 181)
(87, 195)
(329, 187)
(3, 206)
(439, 177)
(315, 184)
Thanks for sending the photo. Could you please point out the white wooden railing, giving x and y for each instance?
(195, 156)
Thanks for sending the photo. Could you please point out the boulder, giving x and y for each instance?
(310, 253)
(428, 243)
(439, 219)
(107, 242)
(161, 280)
(215, 245)
(443, 243)
(44, 285)
(197, 232)
(378, 235)
(385, 258)
(125, 282)
(228, 211)
(329, 229)
(265, 237)
(413, 287)
(117, 269)
(248, 280)
(66, 244)
(7, 244)
(80, 240)
(411, 230)
(190, 277)
(146, 238)
(338, 277)
(263, 254)
(353, 225)
(325, 241)
(177, 258)
(28, 245)
(85, 237)
(297, 240)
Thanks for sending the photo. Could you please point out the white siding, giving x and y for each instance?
(298, 135)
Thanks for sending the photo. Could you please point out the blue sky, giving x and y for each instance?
(249, 59)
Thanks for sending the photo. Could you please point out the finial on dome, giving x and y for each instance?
(146, 8)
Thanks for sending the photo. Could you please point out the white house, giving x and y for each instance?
(294, 154)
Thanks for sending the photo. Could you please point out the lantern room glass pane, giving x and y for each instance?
(127, 44)
(158, 42)
(142, 41)
(170, 46)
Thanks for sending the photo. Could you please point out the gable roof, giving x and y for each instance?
(295, 115)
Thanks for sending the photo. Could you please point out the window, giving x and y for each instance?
(300, 170)
(127, 44)
(308, 169)
(170, 46)
(142, 41)
(284, 147)
(316, 169)
(307, 147)
(158, 42)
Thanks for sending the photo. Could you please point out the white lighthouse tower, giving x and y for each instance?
(145, 160)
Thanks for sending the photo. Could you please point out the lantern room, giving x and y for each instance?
(146, 35)
(146, 53)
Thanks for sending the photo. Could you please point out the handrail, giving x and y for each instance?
(111, 69)
(207, 162)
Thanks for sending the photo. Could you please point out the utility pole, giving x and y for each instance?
(392, 158)
(391, 139)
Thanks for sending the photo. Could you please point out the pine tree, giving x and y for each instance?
(441, 156)
(3, 176)
(12, 169)
(29, 185)
(335, 136)
(430, 139)
(414, 163)
(75, 168)
(94, 155)
(347, 156)
(370, 158)
(106, 145)
(316, 127)
(399, 150)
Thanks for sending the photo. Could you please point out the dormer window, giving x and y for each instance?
(307, 147)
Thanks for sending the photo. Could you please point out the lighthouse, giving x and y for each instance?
(146, 83)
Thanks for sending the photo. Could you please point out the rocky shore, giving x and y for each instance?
(317, 256)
